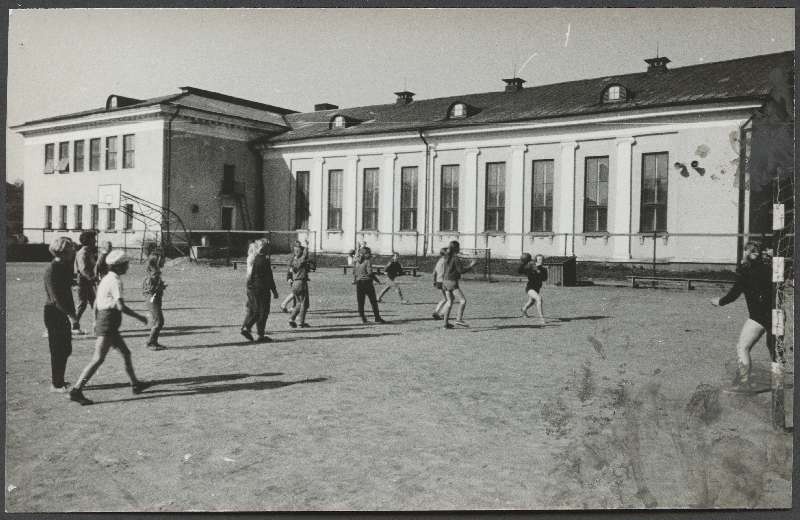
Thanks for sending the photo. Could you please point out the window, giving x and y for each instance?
(654, 192)
(111, 153)
(228, 179)
(48, 217)
(63, 157)
(111, 223)
(301, 200)
(408, 198)
(78, 159)
(615, 93)
(128, 217)
(94, 155)
(495, 196)
(49, 157)
(458, 110)
(339, 122)
(62, 217)
(128, 150)
(335, 199)
(227, 217)
(78, 216)
(448, 219)
(95, 216)
(595, 195)
(542, 197)
(369, 207)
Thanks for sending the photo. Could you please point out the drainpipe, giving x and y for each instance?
(260, 203)
(428, 214)
(740, 240)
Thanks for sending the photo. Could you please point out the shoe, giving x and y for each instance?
(304, 325)
(380, 320)
(156, 347)
(77, 395)
(449, 326)
(364, 320)
(437, 316)
(246, 334)
(59, 389)
(292, 324)
(461, 323)
(139, 386)
(405, 302)
(264, 339)
(379, 300)
(79, 332)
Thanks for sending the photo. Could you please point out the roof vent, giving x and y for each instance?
(403, 98)
(115, 101)
(514, 84)
(324, 106)
(657, 64)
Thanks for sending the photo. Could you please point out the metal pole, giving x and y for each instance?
(228, 254)
(654, 257)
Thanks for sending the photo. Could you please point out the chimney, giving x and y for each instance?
(324, 106)
(657, 64)
(403, 98)
(514, 84)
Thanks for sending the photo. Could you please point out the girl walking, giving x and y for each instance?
(754, 280)
(536, 273)
(299, 267)
(110, 308)
(260, 283)
(59, 310)
(153, 288)
(363, 278)
(85, 261)
(438, 273)
(393, 269)
(453, 269)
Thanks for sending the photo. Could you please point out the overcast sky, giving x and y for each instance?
(63, 61)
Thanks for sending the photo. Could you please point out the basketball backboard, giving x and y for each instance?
(108, 195)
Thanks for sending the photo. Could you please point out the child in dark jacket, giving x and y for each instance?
(260, 284)
(536, 273)
(393, 269)
(153, 288)
(363, 276)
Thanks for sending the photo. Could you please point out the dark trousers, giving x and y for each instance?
(156, 320)
(59, 338)
(86, 295)
(257, 310)
(364, 288)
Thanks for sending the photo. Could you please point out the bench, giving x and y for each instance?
(282, 264)
(688, 281)
(410, 269)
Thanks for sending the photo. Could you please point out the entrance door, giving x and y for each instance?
(227, 217)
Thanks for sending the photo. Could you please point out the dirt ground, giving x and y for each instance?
(614, 403)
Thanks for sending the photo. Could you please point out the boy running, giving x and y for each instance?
(452, 274)
(110, 308)
(438, 273)
(536, 273)
(85, 261)
(393, 269)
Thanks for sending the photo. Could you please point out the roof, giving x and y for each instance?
(195, 98)
(739, 79)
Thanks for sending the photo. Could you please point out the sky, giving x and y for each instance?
(68, 60)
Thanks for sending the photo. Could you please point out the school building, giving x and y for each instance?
(593, 168)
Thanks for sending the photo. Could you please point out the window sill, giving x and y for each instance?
(548, 234)
(334, 231)
(110, 231)
(596, 234)
(410, 232)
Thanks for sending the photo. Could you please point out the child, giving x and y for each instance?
(363, 278)
(536, 273)
(754, 279)
(59, 311)
(438, 272)
(110, 308)
(153, 288)
(299, 266)
(393, 269)
(85, 261)
(260, 283)
(452, 274)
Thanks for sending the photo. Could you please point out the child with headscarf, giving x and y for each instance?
(260, 284)
(59, 309)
